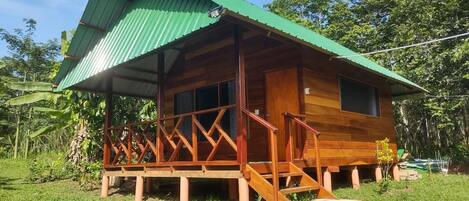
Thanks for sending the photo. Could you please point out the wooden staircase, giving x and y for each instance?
(292, 179)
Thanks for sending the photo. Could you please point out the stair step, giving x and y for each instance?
(287, 174)
(298, 189)
(266, 167)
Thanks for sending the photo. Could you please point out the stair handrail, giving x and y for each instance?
(274, 151)
(298, 120)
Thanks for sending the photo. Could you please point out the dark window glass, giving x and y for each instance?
(358, 97)
(227, 97)
(184, 103)
(206, 98)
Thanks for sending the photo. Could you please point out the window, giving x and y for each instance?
(358, 97)
(221, 94)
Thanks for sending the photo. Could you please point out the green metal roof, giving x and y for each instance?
(146, 25)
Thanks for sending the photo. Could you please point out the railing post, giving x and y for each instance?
(273, 145)
(241, 139)
(318, 158)
(290, 145)
(194, 139)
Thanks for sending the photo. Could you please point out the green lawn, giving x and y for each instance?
(431, 187)
(13, 187)
(434, 187)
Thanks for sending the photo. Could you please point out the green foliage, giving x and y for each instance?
(384, 153)
(459, 154)
(89, 177)
(50, 167)
(384, 156)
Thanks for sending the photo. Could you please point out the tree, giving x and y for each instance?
(424, 124)
(28, 60)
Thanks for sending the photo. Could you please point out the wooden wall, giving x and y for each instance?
(346, 138)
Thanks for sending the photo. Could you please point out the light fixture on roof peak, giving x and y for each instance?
(216, 12)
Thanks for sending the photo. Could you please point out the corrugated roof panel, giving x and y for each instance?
(144, 26)
(99, 13)
(273, 21)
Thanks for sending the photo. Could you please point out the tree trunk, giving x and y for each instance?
(26, 147)
(17, 134)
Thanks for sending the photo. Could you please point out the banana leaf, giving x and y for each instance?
(49, 128)
(29, 86)
(32, 98)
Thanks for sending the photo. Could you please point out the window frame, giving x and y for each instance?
(377, 94)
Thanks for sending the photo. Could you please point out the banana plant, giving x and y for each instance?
(37, 92)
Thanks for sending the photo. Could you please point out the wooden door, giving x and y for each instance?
(281, 96)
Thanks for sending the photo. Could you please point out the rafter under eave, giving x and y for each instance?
(92, 26)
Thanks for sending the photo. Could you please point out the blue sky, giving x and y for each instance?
(53, 16)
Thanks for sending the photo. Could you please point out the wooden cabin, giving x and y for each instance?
(242, 94)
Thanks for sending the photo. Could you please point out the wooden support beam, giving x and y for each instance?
(395, 173)
(232, 189)
(73, 58)
(355, 178)
(86, 24)
(327, 179)
(378, 173)
(184, 189)
(148, 185)
(107, 122)
(139, 188)
(160, 104)
(105, 186)
(140, 70)
(243, 187)
(135, 79)
(241, 138)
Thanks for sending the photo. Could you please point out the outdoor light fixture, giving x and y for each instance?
(216, 12)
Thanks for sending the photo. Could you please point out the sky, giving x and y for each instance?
(52, 16)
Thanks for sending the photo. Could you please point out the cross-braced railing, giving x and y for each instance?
(161, 142)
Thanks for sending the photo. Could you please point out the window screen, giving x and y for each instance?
(358, 97)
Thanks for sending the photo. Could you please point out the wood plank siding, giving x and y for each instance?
(346, 138)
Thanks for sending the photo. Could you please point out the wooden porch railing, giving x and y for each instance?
(300, 123)
(273, 148)
(159, 143)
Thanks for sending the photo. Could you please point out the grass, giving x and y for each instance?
(431, 187)
(13, 186)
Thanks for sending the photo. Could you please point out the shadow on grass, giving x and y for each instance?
(5, 183)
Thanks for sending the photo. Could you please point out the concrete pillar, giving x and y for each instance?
(232, 189)
(355, 178)
(104, 186)
(243, 188)
(395, 173)
(184, 189)
(378, 173)
(139, 188)
(327, 179)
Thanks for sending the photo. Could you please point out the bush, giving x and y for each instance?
(459, 154)
(50, 167)
(90, 175)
